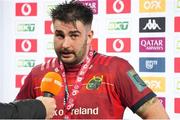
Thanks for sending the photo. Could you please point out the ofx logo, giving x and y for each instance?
(93, 4)
(26, 9)
(157, 84)
(49, 27)
(176, 24)
(118, 6)
(26, 45)
(152, 44)
(176, 105)
(177, 65)
(20, 80)
(94, 44)
(152, 24)
(118, 45)
(152, 5)
(152, 64)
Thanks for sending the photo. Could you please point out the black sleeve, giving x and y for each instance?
(26, 109)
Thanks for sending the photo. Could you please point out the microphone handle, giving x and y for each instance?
(48, 94)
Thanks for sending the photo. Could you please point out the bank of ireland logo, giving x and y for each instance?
(26, 9)
(94, 83)
(152, 5)
(26, 45)
(118, 45)
(20, 80)
(118, 6)
(154, 24)
(152, 64)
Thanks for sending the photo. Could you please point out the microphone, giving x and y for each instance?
(51, 84)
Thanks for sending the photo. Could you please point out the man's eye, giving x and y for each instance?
(74, 36)
(59, 36)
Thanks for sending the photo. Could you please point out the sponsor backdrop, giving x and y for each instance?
(145, 32)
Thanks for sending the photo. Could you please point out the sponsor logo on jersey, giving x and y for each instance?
(176, 105)
(163, 101)
(94, 44)
(26, 9)
(118, 6)
(118, 45)
(152, 44)
(176, 24)
(118, 25)
(49, 29)
(25, 63)
(152, 64)
(25, 27)
(138, 82)
(26, 45)
(152, 5)
(152, 24)
(93, 4)
(20, 80)
(94, 83)
(177, 65)
(157, 84)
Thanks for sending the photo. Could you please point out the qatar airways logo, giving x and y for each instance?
(20, 79)
(26, 45)
(26, 9)
(153, 24)
(118, 45)
(118, 6)
(152, 5)
(177, 65)
(93, 4)
(152, 64)
(152, 44)
(163, 101)
(157, 84)
(49, 29)
(176, 24)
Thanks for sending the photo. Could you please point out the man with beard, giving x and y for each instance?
(95, 86)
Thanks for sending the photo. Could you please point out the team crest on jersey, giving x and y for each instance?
(138, 82)
(94, 83)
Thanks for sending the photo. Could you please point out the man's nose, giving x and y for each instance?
(66, 42)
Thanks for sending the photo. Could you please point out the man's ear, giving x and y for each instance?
(90, 36)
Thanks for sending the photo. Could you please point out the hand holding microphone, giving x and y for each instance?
(51, 85)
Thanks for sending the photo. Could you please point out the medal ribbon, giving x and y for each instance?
(69, 98)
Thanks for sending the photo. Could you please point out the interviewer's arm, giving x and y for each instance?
(152, 109)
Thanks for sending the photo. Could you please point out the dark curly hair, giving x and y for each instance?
(72, 11)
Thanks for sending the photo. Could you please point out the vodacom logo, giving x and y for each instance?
(26, 45)
(26, 9)
(118, 3)
(116, 43)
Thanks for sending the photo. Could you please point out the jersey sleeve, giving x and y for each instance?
(132, 90)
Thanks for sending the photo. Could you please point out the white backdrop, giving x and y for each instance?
(168, 80)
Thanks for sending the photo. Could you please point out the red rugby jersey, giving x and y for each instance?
(110, 85)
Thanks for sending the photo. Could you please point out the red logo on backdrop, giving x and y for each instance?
(20, 80)
(176, 105)
(94, 44)
(26, 9)
(176, 24)
(48, 27)
(118, 45)
(177, 65)
(118, 6)
(26, 45)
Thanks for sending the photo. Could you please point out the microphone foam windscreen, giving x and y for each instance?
(52, 83)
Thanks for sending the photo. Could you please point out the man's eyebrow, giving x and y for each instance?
(75, 31)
